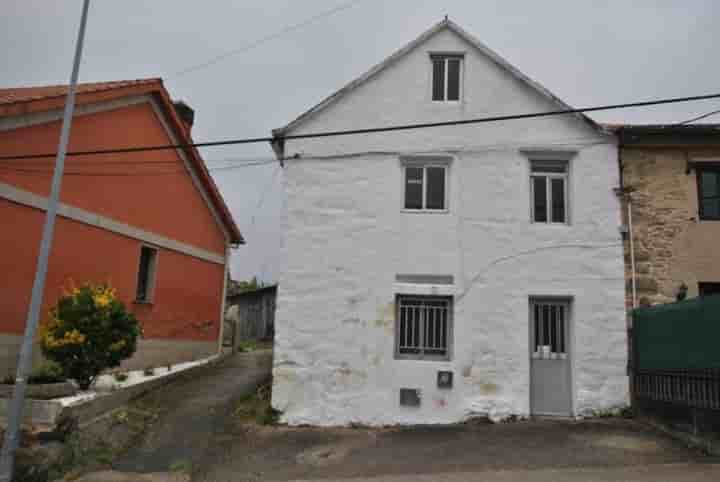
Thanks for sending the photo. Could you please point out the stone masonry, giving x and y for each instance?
(672, 246)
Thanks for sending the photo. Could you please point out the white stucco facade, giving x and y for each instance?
(347, 237)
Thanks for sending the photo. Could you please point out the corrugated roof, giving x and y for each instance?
(29, 94)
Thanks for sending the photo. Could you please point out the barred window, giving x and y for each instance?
(423, 327)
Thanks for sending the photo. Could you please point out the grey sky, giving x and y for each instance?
(587, 52)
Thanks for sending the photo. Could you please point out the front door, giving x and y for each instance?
(550, 381)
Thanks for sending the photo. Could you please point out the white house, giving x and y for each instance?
(438, 274)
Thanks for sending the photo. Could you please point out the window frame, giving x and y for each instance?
(699, 169)
(446, 57)
(152, 275)
(448, 335)
(549, 176)
(420, 162)
(704, 286)
(566, 302)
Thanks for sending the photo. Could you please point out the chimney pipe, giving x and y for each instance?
(186, 113)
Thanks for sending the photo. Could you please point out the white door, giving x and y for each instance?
(550, 377)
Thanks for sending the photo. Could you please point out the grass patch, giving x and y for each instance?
(255, 407)
(183, 466)
(120, 376)
(248, 346)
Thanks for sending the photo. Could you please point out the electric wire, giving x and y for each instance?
(372, 130)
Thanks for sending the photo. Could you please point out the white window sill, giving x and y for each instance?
(425, 211)
(555, 225)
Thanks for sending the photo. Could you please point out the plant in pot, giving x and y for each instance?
(88, 331)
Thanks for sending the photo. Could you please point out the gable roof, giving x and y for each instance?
(25, 100)
(453, 27)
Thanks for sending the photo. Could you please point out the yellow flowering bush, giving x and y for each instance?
(88, 331)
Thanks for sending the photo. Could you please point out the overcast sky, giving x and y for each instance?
(588, 52)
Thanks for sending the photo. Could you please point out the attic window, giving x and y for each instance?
(446, 71)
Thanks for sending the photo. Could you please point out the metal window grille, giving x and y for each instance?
(423, 327)
(550, 329)
(549, 191)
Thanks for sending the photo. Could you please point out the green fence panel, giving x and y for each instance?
(678, 336)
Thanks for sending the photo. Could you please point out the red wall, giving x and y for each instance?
(163, 200)
(188, 291)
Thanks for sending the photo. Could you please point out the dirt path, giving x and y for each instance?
(190, 413)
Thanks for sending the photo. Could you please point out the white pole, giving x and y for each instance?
(632, 251)
(25, 359)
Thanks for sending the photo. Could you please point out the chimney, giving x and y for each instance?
(186, 113)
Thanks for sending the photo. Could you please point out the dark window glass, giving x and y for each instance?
(709, 185)
(539, 199)
(435, 198)
(709, 193)
(558, 200)
(145, 273)
(453, 81)
(710, 209)
(413, 187)
(438, 79)
(709, 288)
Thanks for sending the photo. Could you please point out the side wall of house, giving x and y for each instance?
(181, 323)
(672, 245)
(157, 200)
(348, 237)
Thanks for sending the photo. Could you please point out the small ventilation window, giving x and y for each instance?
(409, 397)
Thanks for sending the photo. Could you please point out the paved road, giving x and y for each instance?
(198, 433)
(654, 473)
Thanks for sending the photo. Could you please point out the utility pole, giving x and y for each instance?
(14, 416)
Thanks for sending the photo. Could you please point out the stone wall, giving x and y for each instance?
(672, 246)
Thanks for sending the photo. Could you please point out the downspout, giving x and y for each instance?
(628, 200)
(627, 196)
(226, 272)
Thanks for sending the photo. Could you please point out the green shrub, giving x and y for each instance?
(89, 330)
(47, 372)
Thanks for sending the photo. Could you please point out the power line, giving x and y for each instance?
(373, 130)
(700, 117)
(267, 38)
(138, 173)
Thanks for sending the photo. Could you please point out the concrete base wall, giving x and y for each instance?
(150, 353)
(157, 352)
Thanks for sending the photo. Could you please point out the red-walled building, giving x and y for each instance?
(152, 223)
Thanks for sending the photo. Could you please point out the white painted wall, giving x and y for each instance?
(347, 238)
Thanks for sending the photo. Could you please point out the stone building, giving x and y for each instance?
(671, 179)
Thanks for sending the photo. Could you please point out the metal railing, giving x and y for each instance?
(690, 388)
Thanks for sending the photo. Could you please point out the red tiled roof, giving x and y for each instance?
(29, 94)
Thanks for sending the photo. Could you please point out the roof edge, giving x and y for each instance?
(395, 56)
